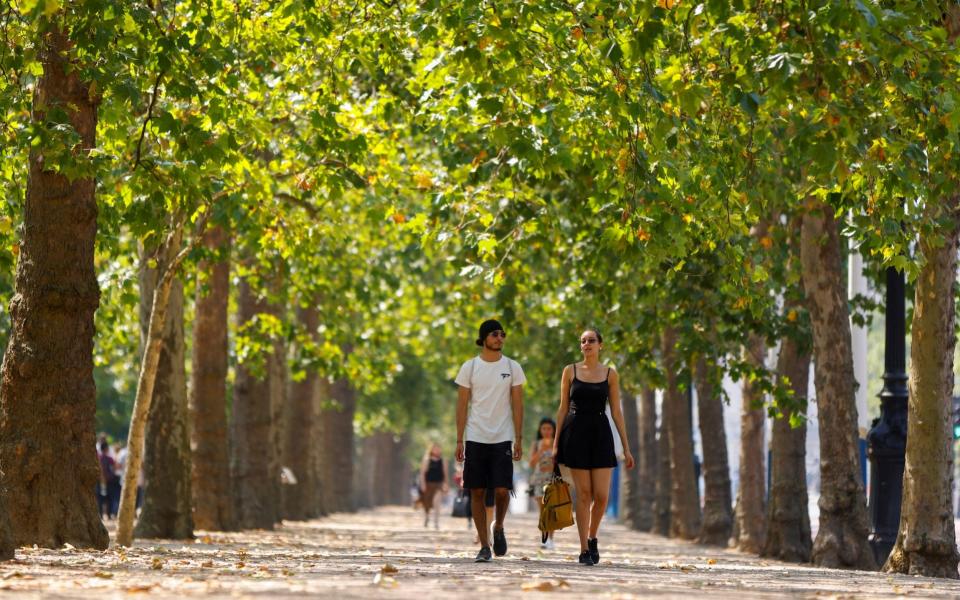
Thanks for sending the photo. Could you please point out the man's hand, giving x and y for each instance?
(517, 449)
(460, 453)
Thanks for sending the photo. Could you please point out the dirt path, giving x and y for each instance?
(387, 553)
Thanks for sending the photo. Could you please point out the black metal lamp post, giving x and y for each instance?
(888, 436)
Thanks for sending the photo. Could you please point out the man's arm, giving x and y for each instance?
(516, 403)
(463, 399)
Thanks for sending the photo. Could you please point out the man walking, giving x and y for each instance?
(489, 420)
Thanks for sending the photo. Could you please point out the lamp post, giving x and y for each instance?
(888, 437)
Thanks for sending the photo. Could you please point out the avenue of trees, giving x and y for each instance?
(276, 225)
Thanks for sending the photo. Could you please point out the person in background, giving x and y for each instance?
(109, 481)
(433, 483)
(541, 465)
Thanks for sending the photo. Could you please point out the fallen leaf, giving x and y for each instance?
(139, 589)
(388, 568)
(69, 546)
(156, 563)
(545, 586)
(103, 575)
(384, 580)
(207, 564)
(711, 561)
(18, 575)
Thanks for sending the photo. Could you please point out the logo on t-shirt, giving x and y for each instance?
(504, 375)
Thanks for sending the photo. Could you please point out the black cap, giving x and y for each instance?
(488, 327)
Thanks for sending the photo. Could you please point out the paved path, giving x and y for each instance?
(386, 553)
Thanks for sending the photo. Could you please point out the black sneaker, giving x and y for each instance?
(499, 542)
(585, 558)
(484, 555)
(594, 552)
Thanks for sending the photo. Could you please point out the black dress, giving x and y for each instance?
(586, 441)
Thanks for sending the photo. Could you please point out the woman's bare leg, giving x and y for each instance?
(584, 487)
(600, 482)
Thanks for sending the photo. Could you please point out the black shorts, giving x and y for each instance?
(488, 465)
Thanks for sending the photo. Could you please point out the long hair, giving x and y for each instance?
(552, 424)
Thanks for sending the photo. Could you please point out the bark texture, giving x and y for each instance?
(717, 510)
(631, 482)
(48, 395)
(300, 414)
(277, 384)
(842, 537)
(252, 448)
(7, 546)
(926, 541)
(338, 450)
(684, 505)
(788, 515)
(750, 512)
(210, 479)
(646, 459)
(166, 511)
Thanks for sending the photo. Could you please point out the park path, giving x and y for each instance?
(386, 553)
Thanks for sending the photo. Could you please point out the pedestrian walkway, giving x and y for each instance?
(386, 553)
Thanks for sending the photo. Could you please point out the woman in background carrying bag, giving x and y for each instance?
(585, 443)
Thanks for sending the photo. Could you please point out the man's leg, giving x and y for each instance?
(480, 515)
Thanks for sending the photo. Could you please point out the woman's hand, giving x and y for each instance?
(627, 459)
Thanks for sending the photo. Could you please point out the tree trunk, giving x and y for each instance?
(647, 459)
(166, 511)
(277, 384)
(631, 483)
(152, 349)
(842, 536)
(661, 504)
(300, 438)
(7, 546)
(208, 393)
(338, 448)
(47, 436)
(788, 513)
(252, 447)
(926, 541)
(364, 476)
(717, 512)
(319, 463)
(750, 511)
(400, 493)
(684, 505)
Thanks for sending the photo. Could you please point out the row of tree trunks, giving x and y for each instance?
(47, 422)
(318, 461)
(842, 535)
(684, 497)
(926, 541)
(277, 386)
(717, 512)
(750, 527)
(788, 517)
(166, 511)
(210, 478)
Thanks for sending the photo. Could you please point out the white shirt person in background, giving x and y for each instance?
(489, 422)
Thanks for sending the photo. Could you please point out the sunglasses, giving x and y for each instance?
(499, 334)
(588, 341)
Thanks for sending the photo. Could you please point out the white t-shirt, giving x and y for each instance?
(490, 417)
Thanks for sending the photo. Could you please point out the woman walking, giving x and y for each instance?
(585, 444)
(433, 480)
(541, 464)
